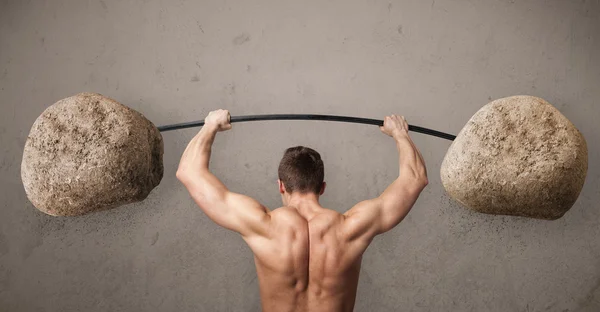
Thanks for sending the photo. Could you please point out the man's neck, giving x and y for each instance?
(306, 204)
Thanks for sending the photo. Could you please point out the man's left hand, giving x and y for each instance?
(218, 119)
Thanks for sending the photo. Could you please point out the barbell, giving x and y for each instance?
(366, 121)
(516, 156)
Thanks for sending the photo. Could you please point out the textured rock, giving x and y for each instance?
(88, 153)
(517, 156)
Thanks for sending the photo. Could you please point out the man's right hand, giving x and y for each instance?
(395, 126)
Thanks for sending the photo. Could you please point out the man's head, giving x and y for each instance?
(301, 171)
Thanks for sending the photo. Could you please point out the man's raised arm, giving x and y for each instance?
(381, 214)
(230, 210)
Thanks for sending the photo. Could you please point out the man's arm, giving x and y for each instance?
(381, 214)
(233, 211)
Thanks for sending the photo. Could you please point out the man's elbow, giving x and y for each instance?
(186, 173)
(199, 187)
(418, 184)
(186, 176)
(415, 176)
(181, 175)
(421, 177)
(423, 182)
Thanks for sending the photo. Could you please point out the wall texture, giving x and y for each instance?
(436, 62)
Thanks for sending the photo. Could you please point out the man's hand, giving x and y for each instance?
(395, 126)
(218, 119)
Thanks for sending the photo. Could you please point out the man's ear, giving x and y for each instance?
(281, 186)
(323, 188)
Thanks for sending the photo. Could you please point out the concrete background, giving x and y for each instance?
(436, 62)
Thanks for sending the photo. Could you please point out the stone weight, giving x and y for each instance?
(88, 153)
(517, 156)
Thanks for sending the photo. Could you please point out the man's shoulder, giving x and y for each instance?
(286, 214)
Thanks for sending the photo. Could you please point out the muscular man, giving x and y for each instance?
(307, 257)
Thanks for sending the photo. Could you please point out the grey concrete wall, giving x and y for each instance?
(436, 62)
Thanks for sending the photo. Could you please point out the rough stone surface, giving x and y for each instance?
(517, 156)
(88, 153)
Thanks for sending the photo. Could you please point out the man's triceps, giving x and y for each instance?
(250, 216)
(363, 220)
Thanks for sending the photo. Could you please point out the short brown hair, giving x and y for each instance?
(301, 170)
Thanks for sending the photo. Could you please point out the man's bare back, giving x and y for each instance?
(307, 257)
(308, 264)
